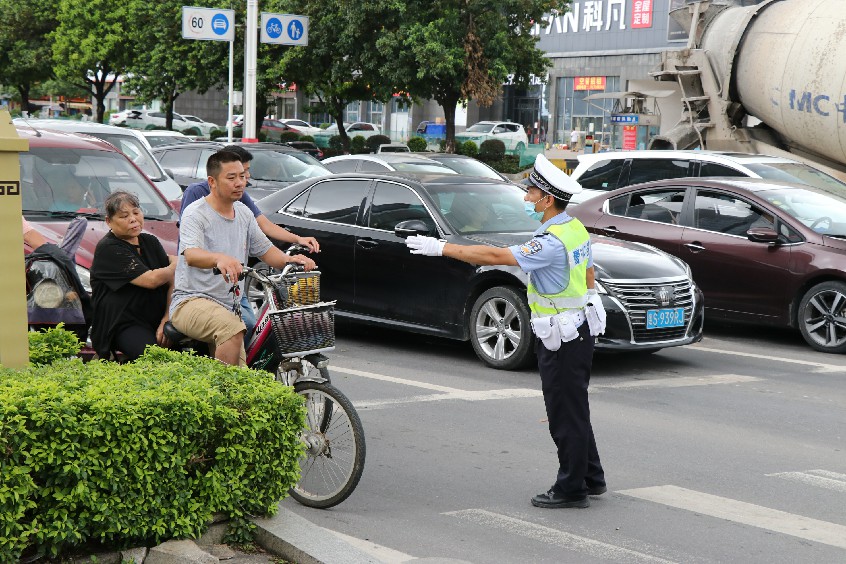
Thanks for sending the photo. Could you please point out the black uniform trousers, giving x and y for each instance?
(565, 375)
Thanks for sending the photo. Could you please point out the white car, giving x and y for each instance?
(206, 127)
(156, 137)
(358, 128)
(130, 142)
(511, 134)
(302, 127)
(148, 119)
(603, 172)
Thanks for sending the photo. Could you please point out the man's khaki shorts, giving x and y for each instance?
(208, 321)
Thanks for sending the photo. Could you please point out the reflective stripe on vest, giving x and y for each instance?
(576, 241)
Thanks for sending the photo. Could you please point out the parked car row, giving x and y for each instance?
(150, 119)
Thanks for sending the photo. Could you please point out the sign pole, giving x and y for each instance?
(231, 87)
(250, 56)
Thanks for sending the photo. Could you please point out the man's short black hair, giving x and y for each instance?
(244, 154)
(215, 163)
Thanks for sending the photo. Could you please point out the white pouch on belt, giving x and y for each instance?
(595, 314)
(546, 328)
(566, 327)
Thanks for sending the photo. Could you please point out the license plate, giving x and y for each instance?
(660, 318)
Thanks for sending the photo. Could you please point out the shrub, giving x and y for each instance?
(194, 130)
(508, 164)
(442, 145)
(374, 141)
(128, 454)
(331, 153)
(470, 149)
(336, 143)
(151, 127)
(53, 344)
(491, 150)
(286, 136)
(358, 145)
(417, 144)
(307, 138)
(215, 133)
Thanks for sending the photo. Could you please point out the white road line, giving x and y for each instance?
(482, 395)
(746, 513)
(569, 541)
(681, 382)
(820, 366)
(819, 478)
(403, 381)
(383, 554)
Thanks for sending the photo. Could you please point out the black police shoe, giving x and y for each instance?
(553, 500)
(597, 490)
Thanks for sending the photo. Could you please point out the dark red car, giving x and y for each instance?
(763, 252)
(64, 176)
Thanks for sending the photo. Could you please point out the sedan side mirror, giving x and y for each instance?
(411, 227)
(762, 235)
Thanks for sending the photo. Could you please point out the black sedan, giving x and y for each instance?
(361, 221)
(274, 165)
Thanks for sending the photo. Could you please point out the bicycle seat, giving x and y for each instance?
(173, 334)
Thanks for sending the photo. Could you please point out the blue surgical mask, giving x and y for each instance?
(529, 208)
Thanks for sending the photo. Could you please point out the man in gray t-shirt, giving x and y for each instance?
(219, 231)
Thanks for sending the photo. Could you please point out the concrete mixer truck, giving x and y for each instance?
(769, 78)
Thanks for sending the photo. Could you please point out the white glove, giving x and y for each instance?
(422, 245)
(595, 313)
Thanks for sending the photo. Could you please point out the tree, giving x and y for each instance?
(25, 49)
(339, 65)
(453, 51)
(170, 64)
(92, 45)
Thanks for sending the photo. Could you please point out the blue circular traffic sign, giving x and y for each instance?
(295, 30)
(220, 24)
(274, 28)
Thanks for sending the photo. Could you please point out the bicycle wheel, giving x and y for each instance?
(334, 457)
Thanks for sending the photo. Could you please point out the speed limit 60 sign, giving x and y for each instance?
(212, 24)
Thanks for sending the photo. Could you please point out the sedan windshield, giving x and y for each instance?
(479, 128)
(824, 213)
(422, 166)
(481, 208)
(135, 150)
(470, 167)
(801, 173)
(285, 167)
(79, 180)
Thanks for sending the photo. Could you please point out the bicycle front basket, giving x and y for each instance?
(304, 330)
(300, 289)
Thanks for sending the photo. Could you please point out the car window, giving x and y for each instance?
(130, 146)
(344, 165)
(470, 167)
(725, 213)
(298, 123)
(494, 207)
(201, 163)
(181, 162)
(277, 166)
(156, 114)
(713, 169)
(372, 166)
(798, 172)
(393, 203)
(336, 200)
(663, 206)
(500, 129)
(647, 170)
(603, 175)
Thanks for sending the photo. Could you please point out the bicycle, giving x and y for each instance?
(293, 330)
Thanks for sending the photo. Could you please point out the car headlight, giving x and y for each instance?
(84, 277)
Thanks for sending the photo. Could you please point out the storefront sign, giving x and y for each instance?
(629, 137)
(590, 15)
(641, 13)
(624, 118)
(589, 83)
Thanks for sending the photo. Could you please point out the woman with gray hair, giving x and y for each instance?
(131, 282)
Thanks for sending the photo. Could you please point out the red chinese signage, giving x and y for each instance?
(642, 13)
(629, 137)
(589, 83)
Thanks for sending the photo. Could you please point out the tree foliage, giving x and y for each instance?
(25, 51)
(92, 44)
(169, 65)
(451, 51)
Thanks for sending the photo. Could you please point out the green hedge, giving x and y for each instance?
(140, 452)
(374, 141)
(492, 149)
(417, 144)
(358, 145)
(286, 136)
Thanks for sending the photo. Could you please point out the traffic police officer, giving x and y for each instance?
(567, 314)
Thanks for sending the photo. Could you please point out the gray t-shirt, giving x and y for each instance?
(203, 228)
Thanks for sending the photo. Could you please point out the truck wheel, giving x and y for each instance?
(822, 317)
(500, 329)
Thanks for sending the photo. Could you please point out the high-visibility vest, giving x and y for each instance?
(576, 241)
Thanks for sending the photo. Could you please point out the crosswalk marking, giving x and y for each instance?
(585, 545)
(820, 366)
(680, 382)
(819, 478)
(746, 513)
(482, 395)
(395, 380)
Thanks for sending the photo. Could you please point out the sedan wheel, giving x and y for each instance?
(500, 329)
(822, 317)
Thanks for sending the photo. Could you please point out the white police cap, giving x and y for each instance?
(553, 180)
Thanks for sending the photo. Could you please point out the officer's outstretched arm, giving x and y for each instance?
(480, 254)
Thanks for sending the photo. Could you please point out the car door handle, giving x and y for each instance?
(610, 230)
(367, 243)
(695, 247)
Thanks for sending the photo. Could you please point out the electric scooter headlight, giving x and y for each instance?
(48, 294)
